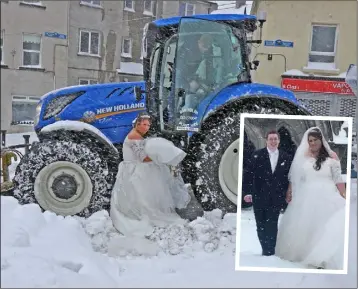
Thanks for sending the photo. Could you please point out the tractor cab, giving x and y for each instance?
(188, 60)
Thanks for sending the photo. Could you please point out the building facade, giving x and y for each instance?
(94, 47)
(64, 43)
(33, 57)
(307, 48)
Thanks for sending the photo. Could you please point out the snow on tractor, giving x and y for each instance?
(72, 169)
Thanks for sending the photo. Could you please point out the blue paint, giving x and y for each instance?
(117, 126)
(55, 35)
(279, 43)
(213, 102)
(212, 17)
(114, 127)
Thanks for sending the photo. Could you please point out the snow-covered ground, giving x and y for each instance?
(250, 249)
(44, 250)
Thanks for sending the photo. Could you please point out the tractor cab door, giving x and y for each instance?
(199, 60)
(166, 104)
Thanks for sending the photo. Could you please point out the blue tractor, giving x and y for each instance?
(196, 83)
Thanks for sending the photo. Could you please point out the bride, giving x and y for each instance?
(146, 192)
(312, 228)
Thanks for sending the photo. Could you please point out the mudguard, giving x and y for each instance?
(109, 108)
(240, 91)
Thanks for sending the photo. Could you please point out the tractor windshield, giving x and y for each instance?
(190, 66)
(209, 57)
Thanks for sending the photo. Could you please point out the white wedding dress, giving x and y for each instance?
(311, 230)
(146, 194)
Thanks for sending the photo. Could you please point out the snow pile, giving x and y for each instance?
(229, 8)
(45, 250)
(49, 251)
(207, 234)
(296, 72)
(17, 138)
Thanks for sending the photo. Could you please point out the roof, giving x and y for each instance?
(212, 17)
(131, 68)
(240, 10)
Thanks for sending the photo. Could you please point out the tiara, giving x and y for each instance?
(144, 116)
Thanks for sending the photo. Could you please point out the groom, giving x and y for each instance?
(269, 169)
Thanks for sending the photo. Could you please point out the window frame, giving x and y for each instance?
(129, 9)
(334, 53)
(186, 9)
(89, 80)
(24, 98)
(89, 43)
(39, 3)
(151, 11)
(33, 51)
(129, 54)
(90, 3)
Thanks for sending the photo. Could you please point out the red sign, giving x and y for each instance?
(310, 85)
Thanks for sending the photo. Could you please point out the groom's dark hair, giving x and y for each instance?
(273, 132)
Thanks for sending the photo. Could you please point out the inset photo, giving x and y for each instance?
(295, 186)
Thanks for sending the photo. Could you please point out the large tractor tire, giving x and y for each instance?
(64, 177)
(214, 161)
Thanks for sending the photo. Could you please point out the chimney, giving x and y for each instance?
(240, 3)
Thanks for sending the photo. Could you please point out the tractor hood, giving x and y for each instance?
(102, 105)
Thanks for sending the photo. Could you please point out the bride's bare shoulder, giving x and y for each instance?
(133, 135)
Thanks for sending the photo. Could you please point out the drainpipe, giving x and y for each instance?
(54, 62)
(64, 45)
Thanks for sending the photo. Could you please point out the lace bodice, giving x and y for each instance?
(330, 171)
(133, 150)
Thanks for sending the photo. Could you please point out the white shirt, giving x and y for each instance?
(273, 158)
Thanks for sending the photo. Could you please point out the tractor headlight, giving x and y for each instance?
(58, 104)
(38, 111)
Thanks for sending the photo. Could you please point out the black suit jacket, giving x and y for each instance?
(268, 189)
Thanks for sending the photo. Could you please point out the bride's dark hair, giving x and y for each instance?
(140, 117)
(323, 153)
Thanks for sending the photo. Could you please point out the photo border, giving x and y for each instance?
(349, 120)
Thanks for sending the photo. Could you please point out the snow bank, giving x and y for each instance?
(76, 126)
(240, 10)
(45, 250)
(296, 72)
(17, 138)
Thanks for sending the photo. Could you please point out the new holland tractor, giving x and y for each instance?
(72, 168)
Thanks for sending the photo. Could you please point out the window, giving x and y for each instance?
(89, 43)
(129, 5)
(95, 3)
(126, 47)
(24, 109)
(2, 46)
(148, 7)
(186, 9)
(87, 81)
(323, 44)
(32, 2)
(31, 47)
